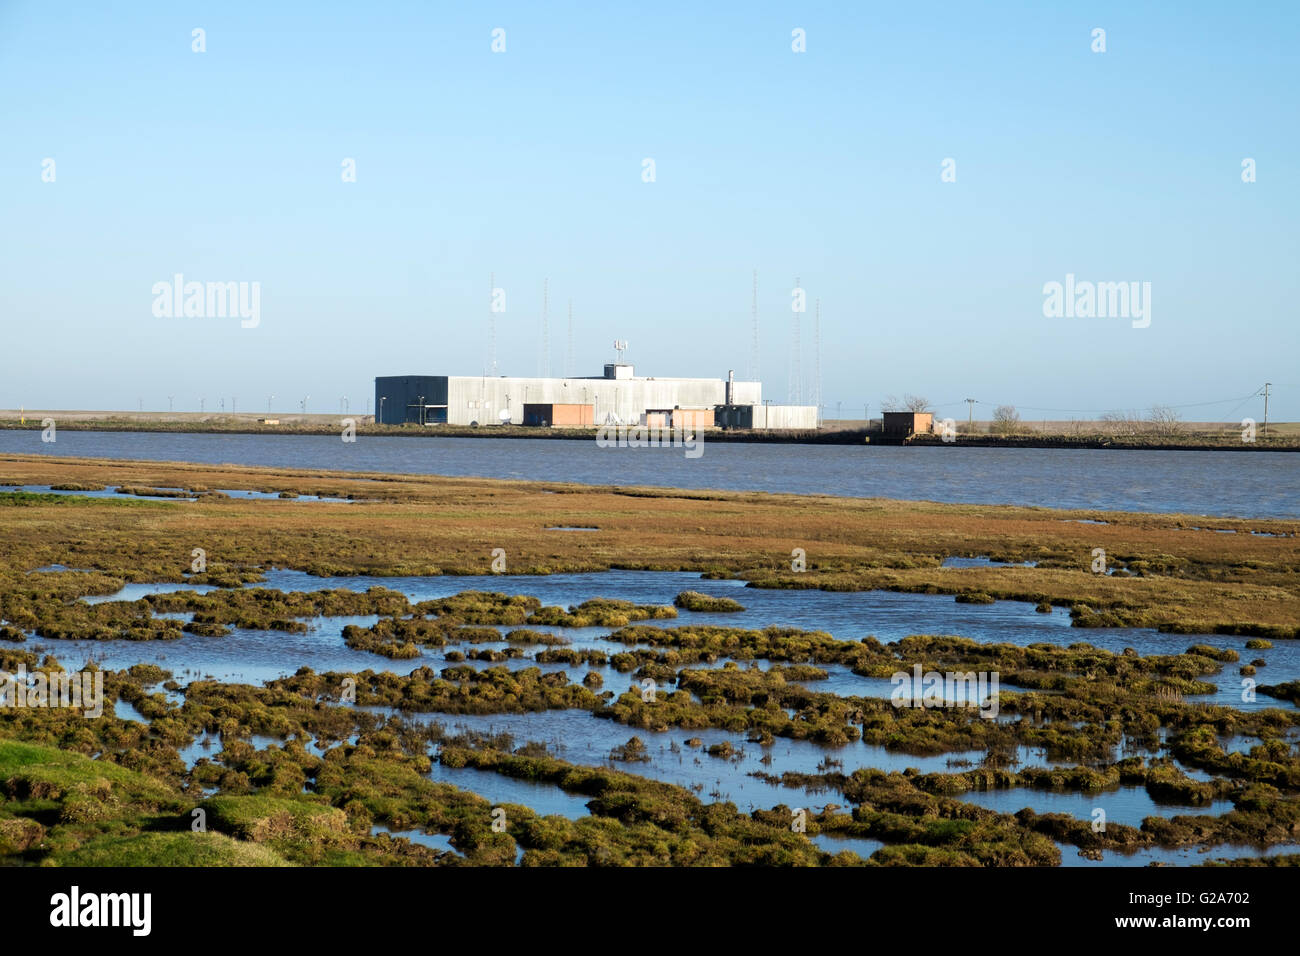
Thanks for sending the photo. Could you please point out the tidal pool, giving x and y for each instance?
(887, 615)
(1127, 805)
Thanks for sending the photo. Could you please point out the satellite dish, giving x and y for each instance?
(504, 415)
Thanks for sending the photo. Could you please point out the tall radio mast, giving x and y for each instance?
(492, 326)
(545, 363)
(794, 389)
(817, 360)
(568, 355)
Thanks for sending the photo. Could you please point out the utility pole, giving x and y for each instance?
(269, 399)
(970, 417)
(1267, 386)
(169, 403)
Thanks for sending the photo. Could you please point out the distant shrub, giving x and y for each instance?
(1006, 420)
(144, 491)
(695, 601)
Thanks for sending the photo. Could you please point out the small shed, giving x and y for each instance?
(902, 424)
(692, 419)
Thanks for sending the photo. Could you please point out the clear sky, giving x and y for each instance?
(226, 166)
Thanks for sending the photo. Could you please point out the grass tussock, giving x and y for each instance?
(695, 601)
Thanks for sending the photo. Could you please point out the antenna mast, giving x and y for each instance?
(753, 312)
(545, 362)
(568, 355)
(492, 326)
(794, 391)
(817, 360)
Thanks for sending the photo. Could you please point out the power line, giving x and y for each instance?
(1240, 400)
(1233, 413)
(1099, 411)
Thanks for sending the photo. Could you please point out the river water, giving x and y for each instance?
(1204, 483)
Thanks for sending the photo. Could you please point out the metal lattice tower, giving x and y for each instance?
(817, 359)
(492, 326)
(794, 391)
(568, 353)
(544, 365)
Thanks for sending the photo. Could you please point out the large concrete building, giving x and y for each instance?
(619, 397)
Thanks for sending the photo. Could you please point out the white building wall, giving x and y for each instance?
(481, 399)
(779, 416)
(789, 416)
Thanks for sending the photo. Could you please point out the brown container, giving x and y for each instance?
(692, 418)
(559, 416)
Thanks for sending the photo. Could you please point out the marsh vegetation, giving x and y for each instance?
(322, 766)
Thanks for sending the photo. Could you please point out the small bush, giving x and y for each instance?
(695, 601)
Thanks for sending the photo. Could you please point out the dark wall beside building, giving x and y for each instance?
(398, 399)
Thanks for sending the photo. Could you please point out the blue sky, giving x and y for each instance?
(823, 165)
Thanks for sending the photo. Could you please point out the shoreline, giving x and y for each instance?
(856, 436)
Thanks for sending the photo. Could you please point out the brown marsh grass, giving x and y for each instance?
(1167, 573)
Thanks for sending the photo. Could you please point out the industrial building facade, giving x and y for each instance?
(618, 397)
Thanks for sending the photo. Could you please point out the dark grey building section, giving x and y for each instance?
(418, 399)
(734, 416)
